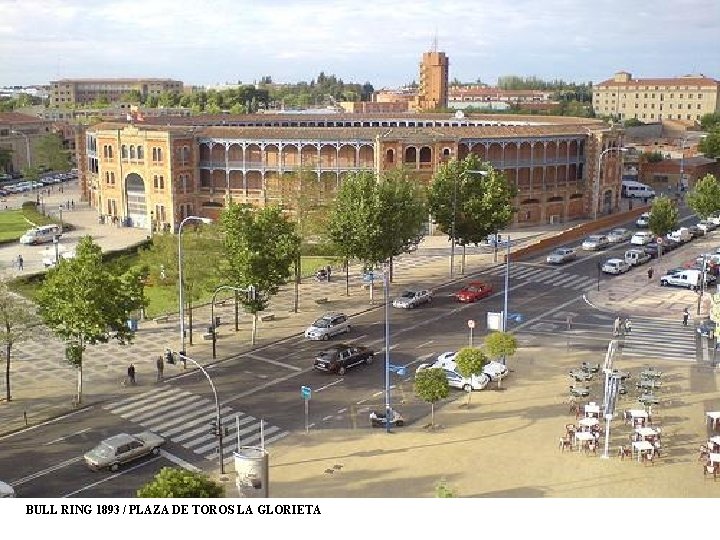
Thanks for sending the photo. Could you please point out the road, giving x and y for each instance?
(263, 386)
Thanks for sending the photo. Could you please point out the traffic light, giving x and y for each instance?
(215, 431)
(169, 358)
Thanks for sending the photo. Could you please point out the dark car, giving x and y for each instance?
(651, 249)
(669, 245)
(340, 358)
(695, 231)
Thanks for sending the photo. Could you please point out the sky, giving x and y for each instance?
(209, 42)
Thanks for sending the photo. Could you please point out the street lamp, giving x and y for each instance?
(386, 282)
(218, 418)
(61, 221)
(507, 285)
(596, 190)
(250, 290)
(454, 217)
(180, 277)
(27, 145)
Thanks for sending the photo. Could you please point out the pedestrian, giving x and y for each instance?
(616, 326)
(160, 365)
(569, 322)
(686, 316)
(131, 374)
(628, 326)
(20, 262)
(72, 204)
(328, 270)
(650, 273)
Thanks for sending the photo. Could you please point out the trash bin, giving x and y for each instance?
(217, 321)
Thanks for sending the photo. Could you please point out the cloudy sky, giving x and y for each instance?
(381, 41)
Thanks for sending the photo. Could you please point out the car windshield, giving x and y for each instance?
(408, 294)
(327, 355)
(618, 231)
(103, 450)
(473, 288)
(593, 239)
(321, 323)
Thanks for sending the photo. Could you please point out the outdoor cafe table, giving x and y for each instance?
(637, 413)
(592, 408)
(648, 399)
(714, 419)
(583, 436)
(651, 374)
(589, 422)
(642, 446)
(649, 383)
(714, 458)
(646, 432)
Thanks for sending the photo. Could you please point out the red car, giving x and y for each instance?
(474, 291)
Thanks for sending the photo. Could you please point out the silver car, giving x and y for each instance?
(619, 235)
(122, 448)
(562, 255)
(412, 298)
(327, 326)
(595, 242)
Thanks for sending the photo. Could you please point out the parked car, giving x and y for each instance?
(641, 238)
(474, 291)
(643, 220)
(707, 226)
(6, 491)
(637, 256)
(706, 328)
(595, 242)
(715, 218)
(340, 358)
(455, 380)
(495, 370)
(562, 255)
(619, 235)
(615, 266)
(327, 326)
(669, 244)
(651, 249)
(413, 298)
(122, 448)
(695, 231)
(690, 279)
(680, 236)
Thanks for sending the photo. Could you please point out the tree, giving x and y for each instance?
(710, 121)
(177, 483)
(633, 122)
(704, 198)
(442, 491)
(652, 157)
(500, 344)
(431, 385)
(50, 152)
(258, 248)
(663, 216)
(470, 362)
(31, 173)
(18, 322)
(470, 205)
(84, 303)
(710, 145)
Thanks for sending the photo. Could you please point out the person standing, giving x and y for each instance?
(616, 326)
(686, 316)
(21, 262)
(628, 326)
(131, 374)
(160, 366)
(650, 273)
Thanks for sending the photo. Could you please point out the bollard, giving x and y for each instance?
(25, 417)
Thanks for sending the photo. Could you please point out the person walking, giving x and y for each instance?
(160, 366)
(131, 374)
(20, 262)
(617, 326)
(650, 273)
(686, 316)
(628, 326)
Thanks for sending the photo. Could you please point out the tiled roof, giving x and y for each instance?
(19, 118)
(670, 81)
(115, 80)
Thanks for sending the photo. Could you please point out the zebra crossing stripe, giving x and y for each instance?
(169, 410)
(139, 397)
(232, 446)
(179, 434)
(166, 421)
(148, 405)
(549, 278)
(228, 423)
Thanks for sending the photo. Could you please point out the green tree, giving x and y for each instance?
(710, 145)
(30, 173)
(663, 216)
(18, 323)
(476, 204)
(50, 152)
(431, 385)
(470, 362)
(710, 121)
(177, 483)
(704, 198)
(132, 96)
(258, 248)
(500, 344)
(442, 491)
(84, 303)
(652, 157)
(633, 122)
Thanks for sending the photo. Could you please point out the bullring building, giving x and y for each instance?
(155, 173)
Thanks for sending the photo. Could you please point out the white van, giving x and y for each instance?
(40, 235)
(636, 190)
(636, 257)
(689, 279)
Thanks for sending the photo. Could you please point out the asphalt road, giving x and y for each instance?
(47, 461)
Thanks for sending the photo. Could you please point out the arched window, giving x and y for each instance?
(123, 152)
(159, 154)
(390, 156)
(410, 154)
(132, 151)
(141, 152)
(110, 153)
(425, 154)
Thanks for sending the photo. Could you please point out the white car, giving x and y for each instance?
(641, 238)
(6, 490)
(615, 266)
(455, 380)
(495, 370)
(327, 326)
(619, 235)
(595, 242)
(715, 218)
(122, 448)
(562, 255)
(707, 226)
(413, 298)
(643, 220)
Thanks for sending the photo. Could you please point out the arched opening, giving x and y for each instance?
(390, 156)
(410, 155)
(425, 155)
(136, 201)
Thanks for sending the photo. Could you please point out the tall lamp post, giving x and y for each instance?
(218, 418)
(180, 276)
(61, 221)
(596, 187)
(386, 281)
(250, 290)
(27, 145)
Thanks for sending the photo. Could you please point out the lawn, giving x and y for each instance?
(14, 223)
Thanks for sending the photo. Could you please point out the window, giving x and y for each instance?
(157, 154)
(112, 178)
(155, 182)
(140, 152)
(679, 105)
(699, 106)
(162, 183)
(681, 96)
(132, 151)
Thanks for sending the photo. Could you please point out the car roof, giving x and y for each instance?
(477, 284)
(117, 440)
(331, 314)
(614, 261)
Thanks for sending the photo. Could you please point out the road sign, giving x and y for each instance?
(494, 320)
(471, 323)
(659, 240)
(305, 392)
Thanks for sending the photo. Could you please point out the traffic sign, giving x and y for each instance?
(305, 392)
(659, 240)
(471, 323)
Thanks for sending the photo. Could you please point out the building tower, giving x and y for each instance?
(434, 71)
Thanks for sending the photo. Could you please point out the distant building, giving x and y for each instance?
(433, 91)
(20, 134)
(368, 107)
(66, 92)
(485, 97)
(685, 98)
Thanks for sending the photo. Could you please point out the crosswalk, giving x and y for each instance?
(546, 276)
(188, 419)
(650, 338)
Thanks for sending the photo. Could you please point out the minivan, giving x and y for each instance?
(40, 235)
(689, 279)
(636, 257)
(636, 190)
